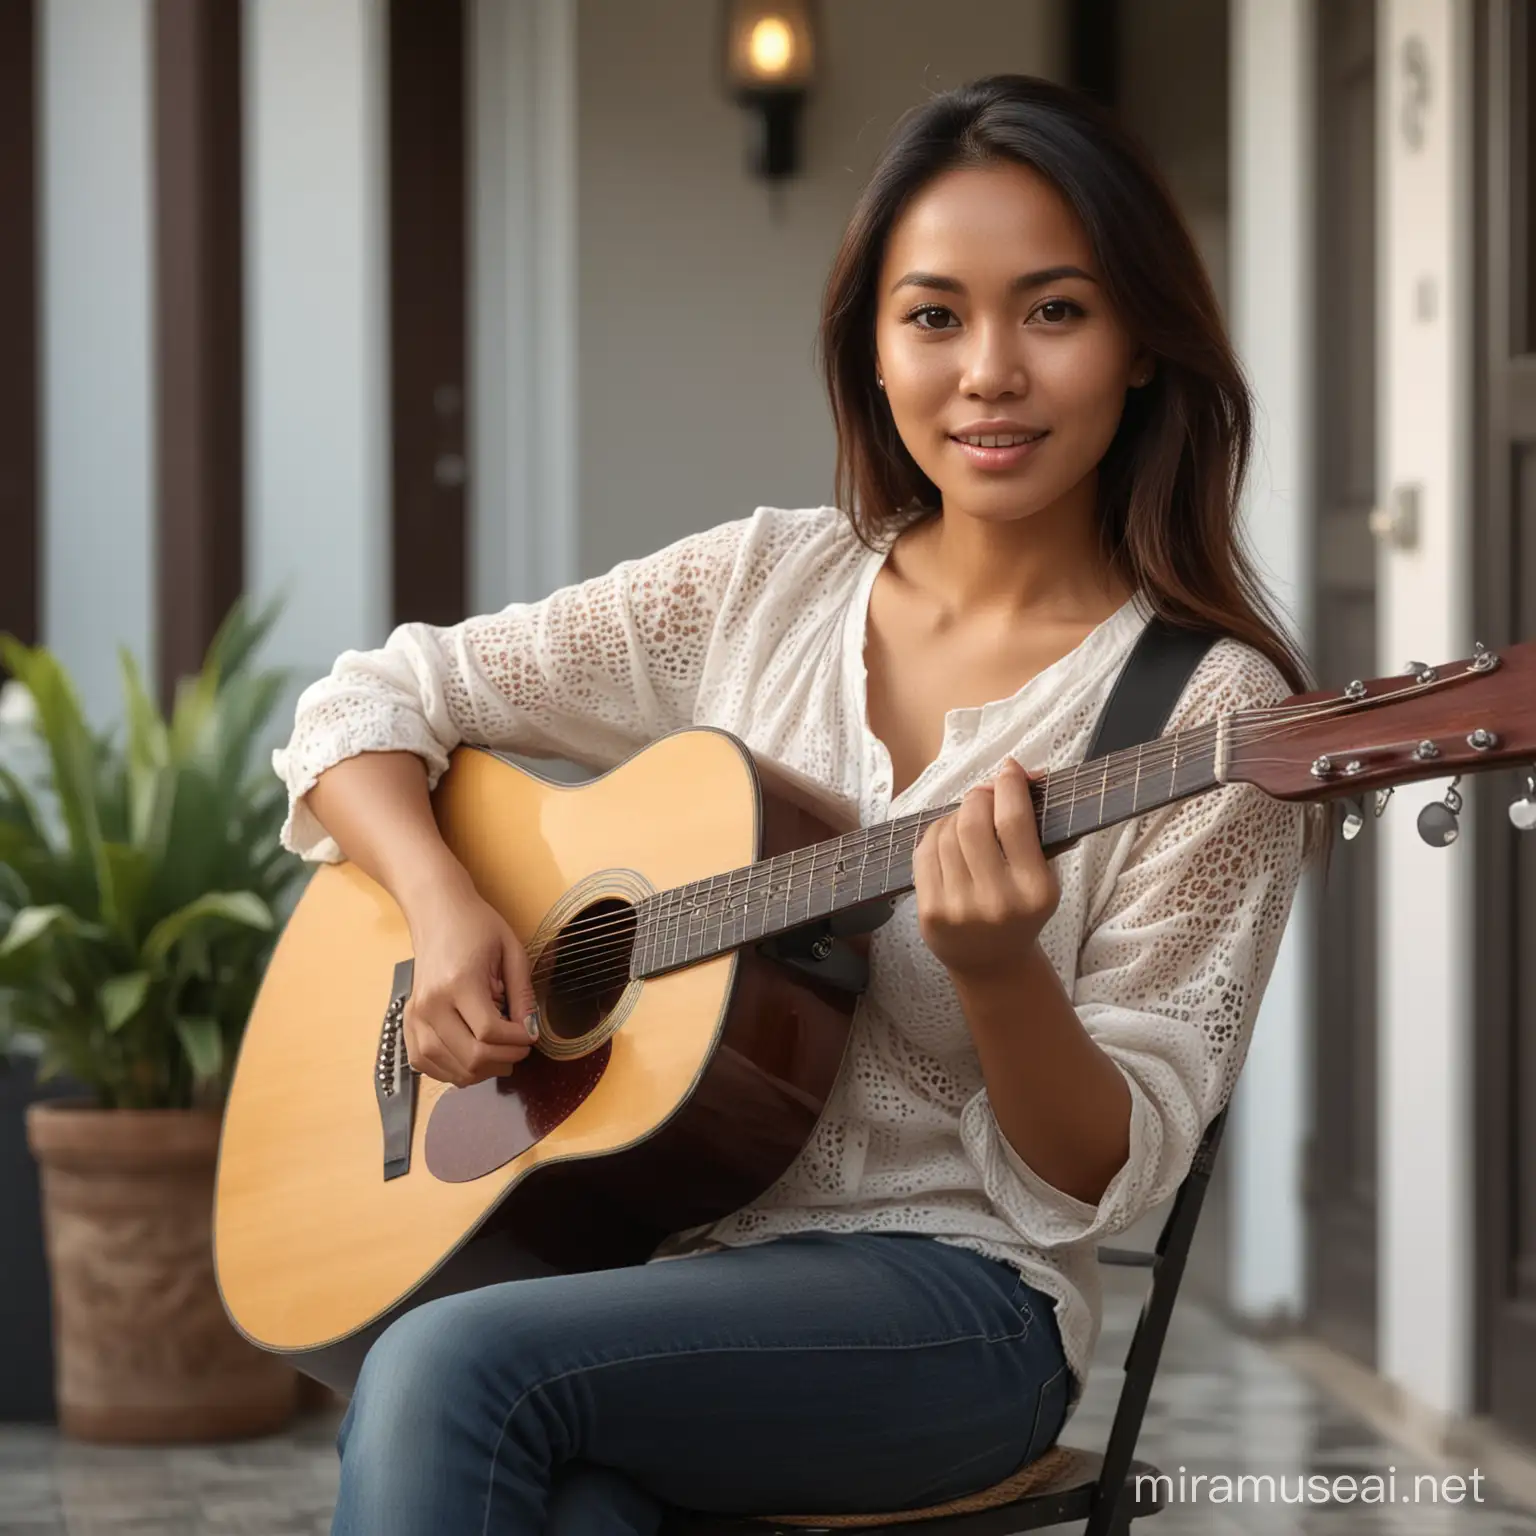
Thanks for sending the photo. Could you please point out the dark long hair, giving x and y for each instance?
(1170, 481)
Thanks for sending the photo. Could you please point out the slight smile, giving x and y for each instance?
(998, 450)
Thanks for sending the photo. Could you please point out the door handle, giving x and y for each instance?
(1397, 523)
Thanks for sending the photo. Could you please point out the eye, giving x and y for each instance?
(926, 309)
(1071, 311)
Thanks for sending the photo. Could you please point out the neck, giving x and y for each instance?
(741, 906)
(1044, 563)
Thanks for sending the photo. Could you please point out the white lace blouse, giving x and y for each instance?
(1165, 934)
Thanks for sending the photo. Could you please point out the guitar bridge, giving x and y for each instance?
(394, 1078)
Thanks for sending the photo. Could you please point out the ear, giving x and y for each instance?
(1143, 367)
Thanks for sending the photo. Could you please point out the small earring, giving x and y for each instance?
(880, 381)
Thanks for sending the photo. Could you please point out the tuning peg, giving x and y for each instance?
(1354, 820)
(1383, 796)
(1522, 812)
(1437, 821)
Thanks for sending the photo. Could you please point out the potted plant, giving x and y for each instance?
(139, 893)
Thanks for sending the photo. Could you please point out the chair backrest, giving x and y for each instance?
(1146, 1347)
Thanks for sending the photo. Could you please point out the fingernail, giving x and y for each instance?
(531, 1024)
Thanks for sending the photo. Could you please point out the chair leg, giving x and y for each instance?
(1111, 1518)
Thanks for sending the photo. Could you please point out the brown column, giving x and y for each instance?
(199, 326)
(19, 545)
(1093, 46)
(427, 266)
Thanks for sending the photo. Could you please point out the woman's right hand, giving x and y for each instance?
(469, 966)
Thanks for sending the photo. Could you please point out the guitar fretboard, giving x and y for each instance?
(707, 917)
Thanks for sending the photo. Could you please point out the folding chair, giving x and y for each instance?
(1067, 1483)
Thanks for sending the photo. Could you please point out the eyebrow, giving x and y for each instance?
(1020, 284)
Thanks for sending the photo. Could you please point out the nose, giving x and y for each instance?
(994, 360)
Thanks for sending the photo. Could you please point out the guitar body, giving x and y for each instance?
(707, 1082)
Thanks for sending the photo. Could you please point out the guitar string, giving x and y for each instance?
(1058, 802)
(1244, 727)
(783, 868)
(598, 947)
(1126, 766)
(780, 879)
(621, 950)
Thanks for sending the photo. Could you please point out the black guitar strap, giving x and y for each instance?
(1161, 662)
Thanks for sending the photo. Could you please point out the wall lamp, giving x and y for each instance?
(770, 64)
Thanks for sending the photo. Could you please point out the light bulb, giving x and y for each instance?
(771, 46)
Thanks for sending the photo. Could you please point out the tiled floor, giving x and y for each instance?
(1223, 1406)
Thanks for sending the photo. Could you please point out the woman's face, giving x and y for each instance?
(991, 321)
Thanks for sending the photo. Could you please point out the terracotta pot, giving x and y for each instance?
(143, 1350)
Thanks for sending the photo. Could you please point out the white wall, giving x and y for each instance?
(1426, 1201)
(97, 335)
(699, 399)
(317, 509)
(1272, 115)
(525, 447)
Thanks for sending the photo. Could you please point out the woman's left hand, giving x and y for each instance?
(984, 887)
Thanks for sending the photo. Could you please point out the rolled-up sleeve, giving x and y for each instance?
(1169, 979)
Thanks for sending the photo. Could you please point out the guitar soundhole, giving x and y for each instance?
(583, 971)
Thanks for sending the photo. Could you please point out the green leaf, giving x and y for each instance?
(19, 808)
(128, 871)
(204, 1045)
(197, 841)
(151, 784)
(241, 633)
(29, 958)
(241, 908)
(122, 996)
(71, 747)
(245, 705)
(16, 851)
(192, 715)
(31, 924)
(148, 742)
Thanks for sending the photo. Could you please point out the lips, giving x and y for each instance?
(999, 458)
(997, 426)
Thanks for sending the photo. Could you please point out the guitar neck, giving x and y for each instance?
(694, 922)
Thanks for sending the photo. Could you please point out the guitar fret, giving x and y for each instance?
(735, 907)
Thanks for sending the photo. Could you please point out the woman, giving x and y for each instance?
(1042, 431)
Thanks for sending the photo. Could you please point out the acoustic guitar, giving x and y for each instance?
(696, 922)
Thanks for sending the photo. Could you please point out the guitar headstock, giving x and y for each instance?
(1428, 722)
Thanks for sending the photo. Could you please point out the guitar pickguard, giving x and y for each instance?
(474, 1131)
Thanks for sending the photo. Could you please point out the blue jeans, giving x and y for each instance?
(814, 1373)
